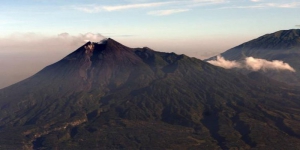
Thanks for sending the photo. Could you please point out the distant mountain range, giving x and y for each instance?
(282, 45)
(108, 96)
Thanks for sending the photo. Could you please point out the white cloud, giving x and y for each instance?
(99, 8)
(167, 12)
(254, 64)
(290, 5)
(93, 37)
(266, 5)
(183, 3)
(88, 8)
(221, 62)
(131, 6)
(206, 2)
(283, 5)
(255, 0)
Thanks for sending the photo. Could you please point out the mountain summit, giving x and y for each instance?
(267, 46)
(108, 96)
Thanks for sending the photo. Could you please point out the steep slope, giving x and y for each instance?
(282, 45)
(109, 96)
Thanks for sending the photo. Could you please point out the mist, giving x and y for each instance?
(221, 62)
(256, 64)
(251, 63)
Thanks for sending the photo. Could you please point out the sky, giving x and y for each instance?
(37, 33)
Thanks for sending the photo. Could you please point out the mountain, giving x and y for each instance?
(282, 45)
(108, 96)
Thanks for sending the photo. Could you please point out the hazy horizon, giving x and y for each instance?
(26, 56)
(37, 33)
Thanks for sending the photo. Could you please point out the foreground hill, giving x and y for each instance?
(282, 45)
(109, 96)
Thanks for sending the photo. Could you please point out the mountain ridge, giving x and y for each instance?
(282, 45)
(111, 96)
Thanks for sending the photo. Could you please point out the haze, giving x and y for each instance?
(37, 33)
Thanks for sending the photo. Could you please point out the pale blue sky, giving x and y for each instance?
(197, 28)
(149, 18)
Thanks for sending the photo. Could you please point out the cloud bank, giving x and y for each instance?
(254, 64)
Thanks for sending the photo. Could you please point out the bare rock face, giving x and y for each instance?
(108, 96)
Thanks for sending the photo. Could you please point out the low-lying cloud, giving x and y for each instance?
(227, 64)
(254, 64)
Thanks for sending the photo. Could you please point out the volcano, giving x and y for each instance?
(109, 96)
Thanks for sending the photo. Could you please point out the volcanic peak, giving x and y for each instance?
(287, 34)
